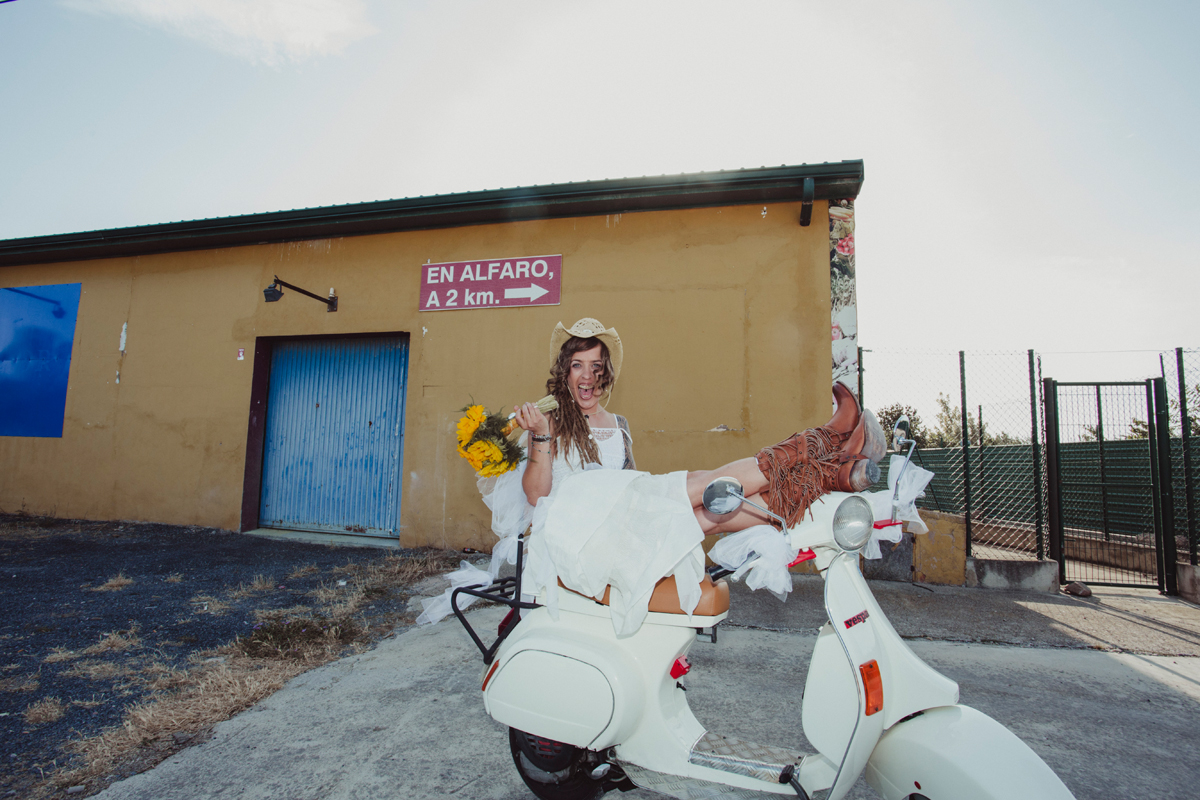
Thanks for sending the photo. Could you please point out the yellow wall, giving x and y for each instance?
(724, 313)
(940, 556)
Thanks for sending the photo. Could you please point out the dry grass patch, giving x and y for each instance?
(224, 683)
(365, 581)
(46, 710)
(291, 612)
(261, 583)
(306, 639)
(115, 642)
(97, 670)
(403, 569)
(328, 592)
(114, 584)
(207, 604)
(174, 577)
(20, 683)
(303, 571)
(60, 654)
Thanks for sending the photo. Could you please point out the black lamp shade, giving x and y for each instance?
(272, 293)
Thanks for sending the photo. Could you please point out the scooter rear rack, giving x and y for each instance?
(506, 592)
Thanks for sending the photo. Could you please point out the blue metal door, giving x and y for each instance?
(334, 435)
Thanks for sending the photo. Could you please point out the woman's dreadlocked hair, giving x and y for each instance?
(570, 427)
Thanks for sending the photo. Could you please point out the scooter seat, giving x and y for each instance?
(714, 597)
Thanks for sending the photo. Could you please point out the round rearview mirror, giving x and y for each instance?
(900, 432)
(723, 496)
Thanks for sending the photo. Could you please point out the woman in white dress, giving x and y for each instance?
(581, 435)
(598, 522)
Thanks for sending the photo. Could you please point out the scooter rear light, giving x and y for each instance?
(872, 685)
(680, 668)
(488, 677)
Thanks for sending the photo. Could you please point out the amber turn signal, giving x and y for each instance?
(873, 685)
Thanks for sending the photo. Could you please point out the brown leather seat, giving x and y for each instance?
(714, 597)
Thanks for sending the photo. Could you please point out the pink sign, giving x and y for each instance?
(492, 283)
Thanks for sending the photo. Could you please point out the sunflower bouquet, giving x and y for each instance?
(489, 442)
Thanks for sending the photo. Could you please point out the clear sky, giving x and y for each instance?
(1031, 166)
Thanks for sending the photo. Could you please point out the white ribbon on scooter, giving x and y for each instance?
(511, 515)
(912, 485)
(467, 574)
(761, 554)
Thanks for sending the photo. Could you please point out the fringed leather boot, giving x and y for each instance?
(840, 455)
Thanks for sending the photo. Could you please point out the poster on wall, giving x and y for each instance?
(37, 333)
(843, 299)
(491, 283)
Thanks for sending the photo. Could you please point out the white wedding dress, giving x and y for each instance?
(600, 526)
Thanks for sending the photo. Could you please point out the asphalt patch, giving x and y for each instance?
(94, 611)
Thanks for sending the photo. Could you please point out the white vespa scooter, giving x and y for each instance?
(588, 712)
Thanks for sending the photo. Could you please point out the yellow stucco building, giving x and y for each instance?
(187, 398)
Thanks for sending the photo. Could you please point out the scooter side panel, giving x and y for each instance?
(955, 752)
(847, 602)
(830, 704)
(519, 684)
(572, 701)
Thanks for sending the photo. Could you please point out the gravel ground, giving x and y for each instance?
(96, 611)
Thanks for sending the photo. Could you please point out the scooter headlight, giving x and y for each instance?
(852, 523)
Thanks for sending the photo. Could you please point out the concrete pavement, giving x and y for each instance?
(406, 718)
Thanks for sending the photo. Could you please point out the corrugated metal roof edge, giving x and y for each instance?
(836, 180)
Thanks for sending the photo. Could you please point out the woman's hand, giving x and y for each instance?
(530, 418)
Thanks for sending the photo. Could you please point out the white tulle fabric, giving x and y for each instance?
(600, 526)
(617, 528)
(912, 486)
(761, 555)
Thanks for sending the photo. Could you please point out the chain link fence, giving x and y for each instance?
(977, 419)
(1181, 372)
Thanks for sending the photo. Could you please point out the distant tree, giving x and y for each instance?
(1138, 429)
(948, 429)
(916, 430)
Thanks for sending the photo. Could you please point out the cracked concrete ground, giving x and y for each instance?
(1105, 690)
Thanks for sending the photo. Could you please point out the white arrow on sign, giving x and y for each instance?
(532, 293)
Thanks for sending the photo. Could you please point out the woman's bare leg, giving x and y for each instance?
(744, 469)
(744, 517)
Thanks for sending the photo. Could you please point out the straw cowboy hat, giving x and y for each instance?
(588, 328)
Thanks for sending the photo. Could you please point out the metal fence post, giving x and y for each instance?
(1103, 487)
(1035, 449)
(981, 489)
(1155, 484)
(966, 448)
(1185, 436)
(1053, 476)
(1170, 583)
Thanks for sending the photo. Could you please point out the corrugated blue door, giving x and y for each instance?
(334, 435)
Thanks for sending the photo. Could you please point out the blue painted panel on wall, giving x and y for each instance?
(334, 435)
(37, 333)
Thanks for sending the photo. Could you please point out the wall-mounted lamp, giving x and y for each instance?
(273, 293)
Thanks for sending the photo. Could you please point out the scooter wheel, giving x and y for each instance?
(554, 770)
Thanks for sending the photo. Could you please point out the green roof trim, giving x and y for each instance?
(839, 180)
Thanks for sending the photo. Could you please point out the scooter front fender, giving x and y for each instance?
(954, 752)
